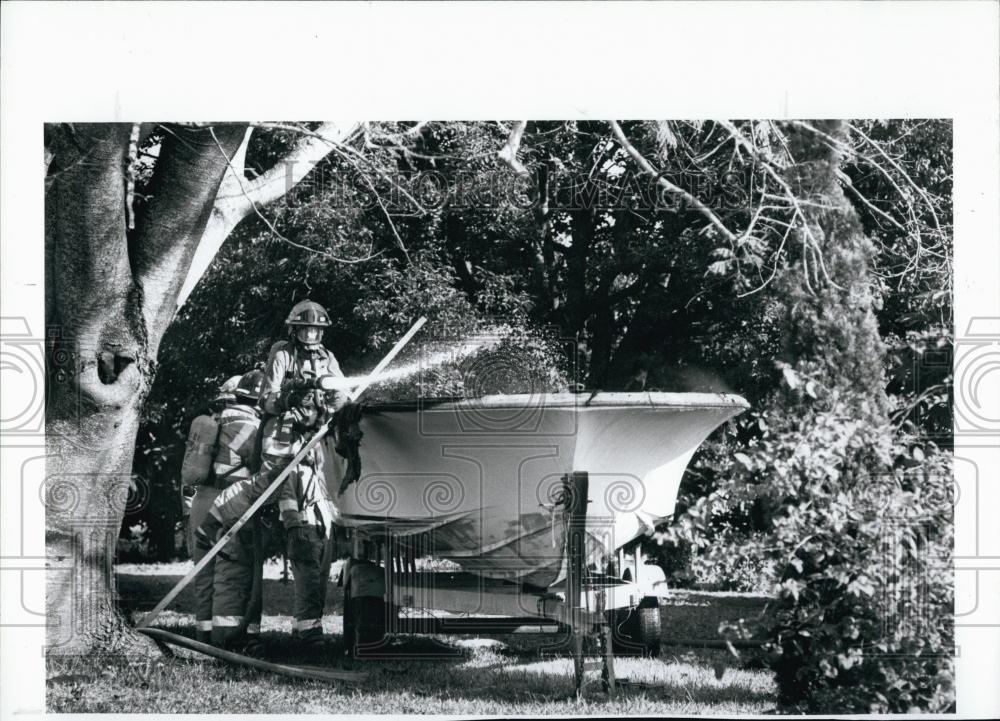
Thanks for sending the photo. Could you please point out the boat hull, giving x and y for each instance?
(478, 481)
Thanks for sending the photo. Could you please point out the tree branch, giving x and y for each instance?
(809, 241)
(238, 197)
(667, 185)
(299, 162)
(508, 153)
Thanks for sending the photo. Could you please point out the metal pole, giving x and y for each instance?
(607, 654)
(576, 487)
(388, 359)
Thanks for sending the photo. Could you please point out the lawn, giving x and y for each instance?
(440, 675)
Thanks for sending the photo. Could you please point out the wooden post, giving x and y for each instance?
(575, 495)
(607, 655)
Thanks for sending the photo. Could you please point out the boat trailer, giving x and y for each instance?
(380, 580)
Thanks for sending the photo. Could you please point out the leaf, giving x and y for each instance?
(744, 460)
(790, 376)
(719, 267)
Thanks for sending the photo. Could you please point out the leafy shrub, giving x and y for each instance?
(859, 527)
(862, 621)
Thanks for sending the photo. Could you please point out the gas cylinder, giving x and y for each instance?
(200, 450)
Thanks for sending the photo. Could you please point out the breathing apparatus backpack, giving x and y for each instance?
(199, 453)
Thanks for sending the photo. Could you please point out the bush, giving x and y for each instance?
(863, 616)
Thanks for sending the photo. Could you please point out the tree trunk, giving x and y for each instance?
(110, 295)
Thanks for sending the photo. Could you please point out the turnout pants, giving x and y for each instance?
(236, 601)
(305, 514)
(309, 552)
(204, 582)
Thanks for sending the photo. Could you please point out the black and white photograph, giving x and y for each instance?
(609, 412)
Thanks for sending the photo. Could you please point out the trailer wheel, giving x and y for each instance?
(636, 631)
(649, 631)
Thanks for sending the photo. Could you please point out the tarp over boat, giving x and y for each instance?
(480, 478)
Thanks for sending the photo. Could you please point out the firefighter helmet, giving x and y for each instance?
(225, 394)
(308, 312)
(251, 385)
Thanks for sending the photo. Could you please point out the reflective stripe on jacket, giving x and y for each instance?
(235, 459)
(303, 497)
(289, 362)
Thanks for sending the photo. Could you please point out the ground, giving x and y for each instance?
(441, 675)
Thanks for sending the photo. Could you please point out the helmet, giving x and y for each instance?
(225, 394)
(307, 312)
(251, 385)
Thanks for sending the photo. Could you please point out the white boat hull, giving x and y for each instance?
(478, 481)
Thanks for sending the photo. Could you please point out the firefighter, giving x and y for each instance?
(200, 491)
(293, 412)
(239, 564)
(303, 501)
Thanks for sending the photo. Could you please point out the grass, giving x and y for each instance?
(421, 674)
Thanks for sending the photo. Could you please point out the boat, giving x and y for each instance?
(478, 481)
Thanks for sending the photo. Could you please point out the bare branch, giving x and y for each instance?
(840, 145)
(667, 185)
(774, 266)
(414, 132)
(906, 176)
(279, 236)
(238, 197)
(845, 181)
(808, 238)
(291, 169)
(508, 153)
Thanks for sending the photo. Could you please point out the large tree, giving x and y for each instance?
(117, 262)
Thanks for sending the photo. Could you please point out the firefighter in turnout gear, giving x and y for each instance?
(297, 410)
(235, 618)
(200, 490)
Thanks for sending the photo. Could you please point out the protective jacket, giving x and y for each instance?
(303, 498)
(235, 566)
(287, 363)
(238, 454)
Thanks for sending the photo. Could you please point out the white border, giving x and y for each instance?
(141, 61)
